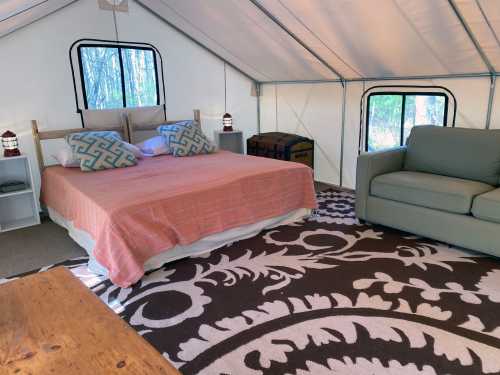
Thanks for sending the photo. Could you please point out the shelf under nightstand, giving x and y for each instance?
(18, 209)
(229, 141)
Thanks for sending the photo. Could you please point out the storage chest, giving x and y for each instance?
(283, 146)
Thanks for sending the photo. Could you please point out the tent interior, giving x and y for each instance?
(377, 253)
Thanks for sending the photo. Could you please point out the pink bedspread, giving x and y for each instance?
(135, 213)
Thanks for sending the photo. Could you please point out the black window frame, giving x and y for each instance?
(119, 47)
(404, 94)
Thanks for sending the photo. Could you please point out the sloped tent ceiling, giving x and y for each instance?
(357, 38)
(15, 14)
(383, 38)
(486, 30)
(244, 36)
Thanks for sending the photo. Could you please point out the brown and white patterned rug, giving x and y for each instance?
(327, 295)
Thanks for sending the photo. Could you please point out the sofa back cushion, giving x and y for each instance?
(472, 154)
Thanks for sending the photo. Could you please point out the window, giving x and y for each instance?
(391, 116)
(116, 76)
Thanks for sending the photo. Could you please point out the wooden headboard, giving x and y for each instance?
(150, 120)
(152, 124)
(39, 136)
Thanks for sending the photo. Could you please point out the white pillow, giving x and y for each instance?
(134, 150)
(154, 146)
(65, 157)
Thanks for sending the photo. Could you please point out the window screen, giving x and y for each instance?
(118, 76)
(391, 116)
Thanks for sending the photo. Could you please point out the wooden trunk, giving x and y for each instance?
(282, 146)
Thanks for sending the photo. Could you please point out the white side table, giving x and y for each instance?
(230, 141)
(18, 209)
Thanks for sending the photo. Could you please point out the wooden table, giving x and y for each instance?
(50, 323)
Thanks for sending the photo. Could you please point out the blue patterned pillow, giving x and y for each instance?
(100, 150)
(186, 139)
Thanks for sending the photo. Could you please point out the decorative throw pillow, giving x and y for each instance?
(185, 123)
(97, 151)
(186, 139)
(134, 150)
(154, 146)
(66, 158)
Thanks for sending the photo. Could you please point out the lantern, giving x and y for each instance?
(227, 121)
(10, 144)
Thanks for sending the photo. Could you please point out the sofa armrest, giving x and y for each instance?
(371, 165)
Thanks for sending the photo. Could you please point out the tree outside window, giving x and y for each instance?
(391, 116)
(118, 76)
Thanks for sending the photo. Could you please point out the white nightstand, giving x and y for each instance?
(18, 209)
(230, 141)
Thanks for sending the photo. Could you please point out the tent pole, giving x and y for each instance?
(344, 94)
(473, 39)
(486, 19)
(490, 100)
(258, 90)
(373, 79)
(296, 38)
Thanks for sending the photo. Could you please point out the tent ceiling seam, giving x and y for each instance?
(299, 20)
(486, 19)
(420, 36)
(473, 39)
(212, 39)
(200, 44)
(15, 14)
(296, 38)
(14, 29)
(258, 25)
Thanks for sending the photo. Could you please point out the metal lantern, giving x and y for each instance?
(10, 144)
(227, 121)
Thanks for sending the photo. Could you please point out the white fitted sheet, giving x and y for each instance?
(204, 245)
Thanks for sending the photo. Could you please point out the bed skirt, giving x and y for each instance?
(199, 247)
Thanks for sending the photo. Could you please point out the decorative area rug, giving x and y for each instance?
(327, 295)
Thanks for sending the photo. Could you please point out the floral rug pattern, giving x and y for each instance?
(322, 296)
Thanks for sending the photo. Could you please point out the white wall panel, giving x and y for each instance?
(471, 93)
(311, 110)
(37, 80)
(322, 116)
(472, 96)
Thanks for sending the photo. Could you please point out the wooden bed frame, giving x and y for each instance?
(39, 136)
(127, 129)
(132, 127)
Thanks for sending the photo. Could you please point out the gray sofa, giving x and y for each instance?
(443, 185)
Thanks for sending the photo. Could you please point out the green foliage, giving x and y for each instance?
(385, 117)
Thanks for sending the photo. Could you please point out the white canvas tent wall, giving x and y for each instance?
(36, 79)
(332, 50)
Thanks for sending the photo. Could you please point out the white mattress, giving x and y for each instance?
(199, 247)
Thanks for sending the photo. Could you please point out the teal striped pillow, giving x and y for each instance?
(100, 150)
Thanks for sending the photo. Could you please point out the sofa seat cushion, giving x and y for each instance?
(487, 206)
(429, 190)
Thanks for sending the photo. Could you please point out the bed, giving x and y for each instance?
(134, 219)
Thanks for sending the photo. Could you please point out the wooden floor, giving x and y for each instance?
(27, 249)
